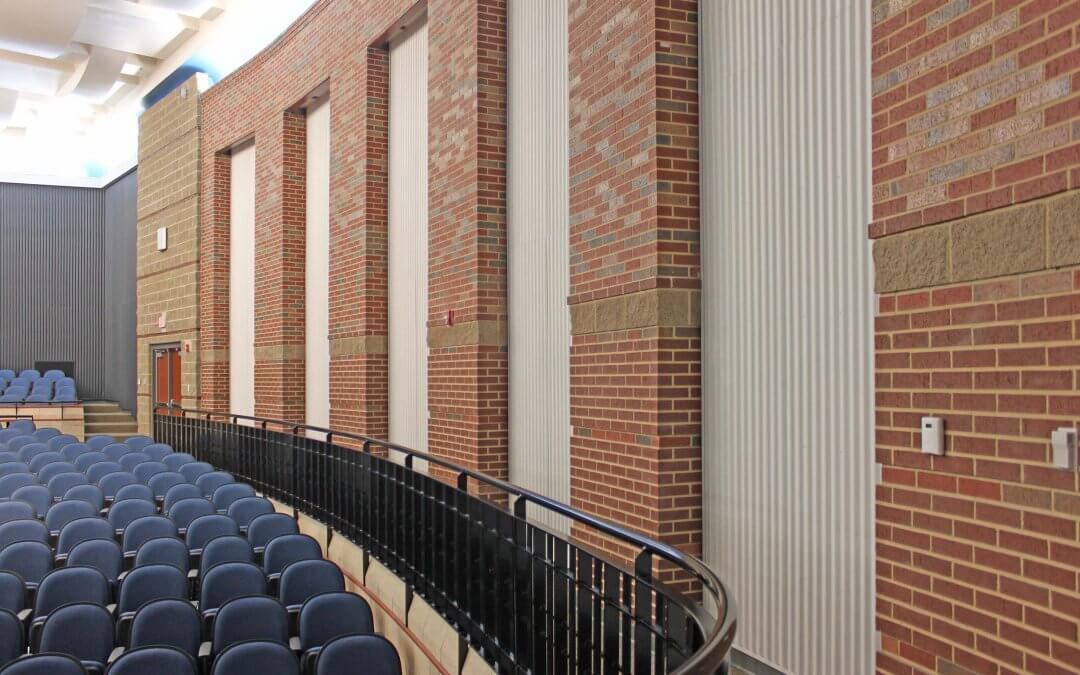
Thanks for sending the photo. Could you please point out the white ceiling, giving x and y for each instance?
(68, 67)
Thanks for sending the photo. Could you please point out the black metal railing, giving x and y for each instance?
(527, 599)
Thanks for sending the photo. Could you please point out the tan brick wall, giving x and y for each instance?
(168, 281)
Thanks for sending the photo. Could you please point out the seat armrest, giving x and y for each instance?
(116, 653)
(60, 560)
(294, 644)
(111, 609)
(24, 615)
(204, 650)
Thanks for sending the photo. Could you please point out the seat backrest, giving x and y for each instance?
(164, 550)
(62, 513)
(160, 483)
(16, 510)
(170, 623)
(254, 617)
(12, 482)
(132, 459)
(138, 442)
(146, 528)
(61, 483)
(230, 580)
(83, 630)
(98, 471)
(66, 585)
(43, 435)
(45, 664)
(31, 450)
(58, 442)
(46, 473)
(40, 460)
(146, 470)
(12, 644)
(178, 492)
(99, 443)
(114, 451)
(91, 494)
(9, 468)
(36, 496)
(187, 510)
(31, 560)
(157, 451)
(229, 548)
(329, 615)
(30, 374)
(265, 527)
(104, 555)
(225, 495)
(23, 426)
(210, 482)
(83, 529)
(19, 442)
(156, 660)
(151, 582)
(247, 509)
(203, 529)
(193, 470)
(73, 451)
(125, 512)
(53, 374)
(111, 483)
(245, 658)
(287, 549)
(307, 578)
(340, 656)
(176, 460)
(88, 459)
(23, 530)
(134, 491)
(6, 456)
(12, 592)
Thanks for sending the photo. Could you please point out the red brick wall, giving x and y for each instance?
(973, 106)
(635, 379)
(976, 118)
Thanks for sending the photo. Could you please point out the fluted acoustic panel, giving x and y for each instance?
(538, 237)
(787, 312)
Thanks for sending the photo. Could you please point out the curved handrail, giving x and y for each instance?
(718, 639)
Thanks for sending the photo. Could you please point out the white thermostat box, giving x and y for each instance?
(933, 436)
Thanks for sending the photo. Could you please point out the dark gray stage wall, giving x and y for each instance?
(67, 283)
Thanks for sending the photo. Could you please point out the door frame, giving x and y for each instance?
(154, 349)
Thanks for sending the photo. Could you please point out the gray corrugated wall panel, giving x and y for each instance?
(51, 280)
(121, 215)
(787, 331)
(539, 248)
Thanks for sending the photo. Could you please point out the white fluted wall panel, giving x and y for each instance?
(787, 326)
(242, 280)
(316, 268)
(538, 242)
(408, 238)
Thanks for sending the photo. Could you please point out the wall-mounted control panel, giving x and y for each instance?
(1063, 444)
(933, 436)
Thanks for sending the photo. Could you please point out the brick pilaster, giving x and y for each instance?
(214, 280)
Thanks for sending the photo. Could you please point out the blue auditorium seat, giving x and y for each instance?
(104, 555)
(147, 469)
(185, 511)
(157, 451)
(178, 492)
(247, 509)
(12, 482)
(127, 511)
(73, 451)
(36, 496)
(39, 460)
(229, 493)
(131, 460)
(307, 578)
(95, 472)
(64, 586)
(328, 616)
(112, 483)
(230, 548)
(82, 630)
(19, 442)
(144, 529)
(44, 664)
(78, 531)
(144, 584)
(176, 460)
(53, 375)
(24, 426)
(164, 550)
(135, 490)
(91, 494)
(254, 617)
(31, 560)
(39, 397)
(64, 397)
(253, 657)
(169, 623)
(155, 660)
(23, 530)
(203, 529)
(138, 442)
(99, 443)
(9, 433)
(266, 527)
(289, 548)
(8, 468)
(114, 451)
(60, 484)
(341, 656)
(43, 435)
(53, 469)
(12, 592)
(210, 482)
(160, 483)
(58, 442)
(31, 450)
(194, 470)
(12, 638)
(7, 374)
(30, 375)
(63, 512)
(88, 459)
(227, 581)
(16, 510)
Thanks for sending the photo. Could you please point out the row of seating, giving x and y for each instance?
(30, 386)
(134, 574)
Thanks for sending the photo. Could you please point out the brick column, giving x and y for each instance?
(467, 367)
(280, 177)
(214, 281)
(358, 227)
(635, 280)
